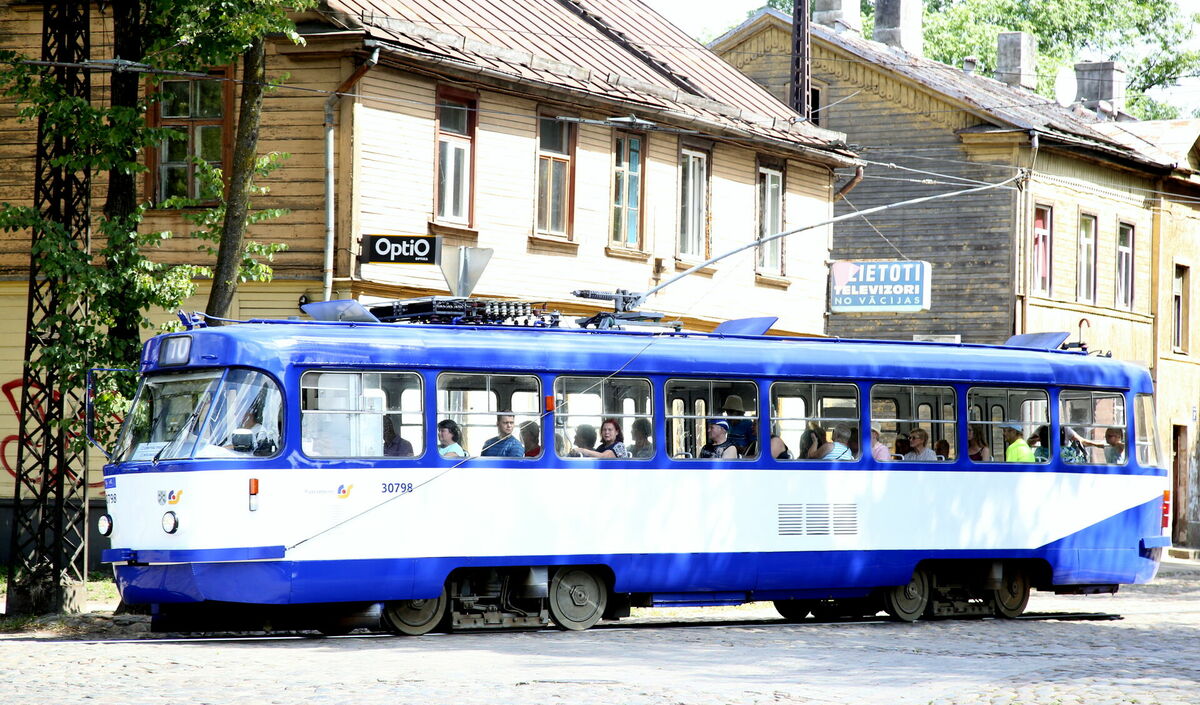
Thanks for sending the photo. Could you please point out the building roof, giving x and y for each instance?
(1174, 140)
(996, 103)
(617, 52)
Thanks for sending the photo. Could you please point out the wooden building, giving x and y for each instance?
(589, 143)
(1098, 240)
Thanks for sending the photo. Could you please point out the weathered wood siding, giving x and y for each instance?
(395, 151)
(968, 240)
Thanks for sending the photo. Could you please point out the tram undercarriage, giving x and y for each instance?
(577, 597)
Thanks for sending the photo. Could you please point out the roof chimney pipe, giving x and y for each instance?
(1098, 81)
(1016, 59)
(898, 24)
(839, 15)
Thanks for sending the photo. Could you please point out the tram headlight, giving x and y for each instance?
(170, 522)
(104, 524)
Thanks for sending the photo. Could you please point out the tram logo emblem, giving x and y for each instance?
(344, 491)
(170, 497)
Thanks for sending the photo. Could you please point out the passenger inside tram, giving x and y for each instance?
(393, 445)
(641, 447)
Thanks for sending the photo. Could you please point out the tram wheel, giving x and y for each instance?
(415, 617)
(794, 610)
(906, 603)
(1010, 599)
(577, 598)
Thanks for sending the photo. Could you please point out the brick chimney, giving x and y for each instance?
(898, 24)
(1100, 81)
(840, 15)
(1016, 59)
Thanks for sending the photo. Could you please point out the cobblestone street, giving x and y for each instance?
(745, 655)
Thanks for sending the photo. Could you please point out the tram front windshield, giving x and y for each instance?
(212, 414)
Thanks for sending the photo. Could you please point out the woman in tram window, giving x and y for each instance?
(977, 448)
(641, 447)
(449, 437)
(918, 446)
(612, 442)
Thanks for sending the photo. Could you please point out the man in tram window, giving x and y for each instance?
(1016, 449)
(585, 437)
(393, 445)
(719, 445)
(505, 445)
(741, 430)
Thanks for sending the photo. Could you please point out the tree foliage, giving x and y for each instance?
(1148, 36)
(119, 283)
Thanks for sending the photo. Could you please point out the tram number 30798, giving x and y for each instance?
(395, 487)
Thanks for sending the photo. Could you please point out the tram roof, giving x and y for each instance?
(275, 345)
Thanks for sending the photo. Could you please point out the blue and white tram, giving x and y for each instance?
(302, 473)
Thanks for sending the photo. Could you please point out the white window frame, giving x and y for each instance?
(453, 188)
(548, 159)
(693, 204)
(1125, 265)
(770, 219)
(1043, 252)
(1179, 308)
(1085, 264)
(628, 187)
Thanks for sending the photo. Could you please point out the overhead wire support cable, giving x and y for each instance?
(641, 299)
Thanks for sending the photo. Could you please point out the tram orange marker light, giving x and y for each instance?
(1166, 518)
(253, 485)
(549, 402)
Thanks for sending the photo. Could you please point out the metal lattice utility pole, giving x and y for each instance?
(801, 83)
(49, 532)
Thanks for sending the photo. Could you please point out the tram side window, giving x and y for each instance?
(481, 405)
(692, 407)
(362, 414)
(1147, 433)
(1017, 429)
(916, 422)
(247, 417)
(1094, 427)
(603, 417)
(814, 421)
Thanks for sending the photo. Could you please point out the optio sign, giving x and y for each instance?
(401, 249)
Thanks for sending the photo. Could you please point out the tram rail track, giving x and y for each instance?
(633, 625)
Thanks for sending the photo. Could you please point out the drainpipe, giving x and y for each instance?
(329, 209)
(1022, 250)
(849, 185)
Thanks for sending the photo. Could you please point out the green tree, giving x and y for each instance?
(1148, 36)
(213, 33)
(119, 282)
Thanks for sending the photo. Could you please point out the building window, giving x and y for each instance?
(456, 141)
(197, 112)
(1043, 242)
(627, 191)
(770, 220)
(554, 177)
(1179, 309)
(1125, 266)
(1085, 265)
(693, 205)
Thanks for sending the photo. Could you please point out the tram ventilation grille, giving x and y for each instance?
(818, 519)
